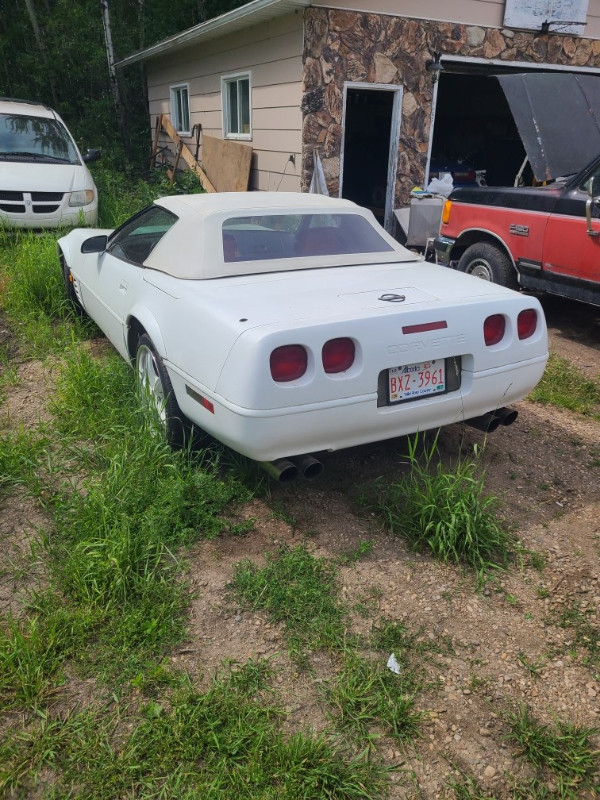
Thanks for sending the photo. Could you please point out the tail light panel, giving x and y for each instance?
(338, 355)
(527, 323)
(288, 363)
(494, 329)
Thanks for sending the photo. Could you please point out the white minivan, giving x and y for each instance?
(44, 182)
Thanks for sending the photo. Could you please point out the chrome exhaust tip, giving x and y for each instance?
(309, 467)
(493, 419)
(486, 422)
(283, 470)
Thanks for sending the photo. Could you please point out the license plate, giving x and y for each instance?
(413, 381)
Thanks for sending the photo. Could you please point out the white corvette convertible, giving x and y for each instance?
(285, 325)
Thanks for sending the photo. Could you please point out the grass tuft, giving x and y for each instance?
(297, 589)
(564, 386)
(368, 697)
(563, 749)
(446, 510)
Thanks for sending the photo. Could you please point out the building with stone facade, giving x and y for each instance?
(384, 91)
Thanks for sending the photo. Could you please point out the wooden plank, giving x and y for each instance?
(187, 154)
(227, 163)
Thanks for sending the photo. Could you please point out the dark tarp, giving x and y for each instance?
(558, 118)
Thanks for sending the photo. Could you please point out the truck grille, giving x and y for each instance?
(39, 202)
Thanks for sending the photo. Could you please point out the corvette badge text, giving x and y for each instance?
(426, 345)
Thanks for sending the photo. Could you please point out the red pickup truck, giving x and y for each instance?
(544, 238)
(547, 237)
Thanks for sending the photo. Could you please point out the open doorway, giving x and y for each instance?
(369, 150)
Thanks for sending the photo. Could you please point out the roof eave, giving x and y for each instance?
(260, 10)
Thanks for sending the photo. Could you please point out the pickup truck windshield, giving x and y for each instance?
(38, 139)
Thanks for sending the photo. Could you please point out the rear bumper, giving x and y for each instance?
(266, 435)
(442, 246)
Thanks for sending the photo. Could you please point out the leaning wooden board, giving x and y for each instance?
(227, 163)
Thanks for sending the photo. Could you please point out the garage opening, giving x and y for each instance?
(474, 135)
(369, 150)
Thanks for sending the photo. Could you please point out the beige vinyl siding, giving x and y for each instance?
(486, 13)
(272, 55)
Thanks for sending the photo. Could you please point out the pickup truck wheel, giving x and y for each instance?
(484, 260)
(157, 393)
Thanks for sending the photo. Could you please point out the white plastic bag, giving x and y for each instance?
(393, 665)
(443, 185)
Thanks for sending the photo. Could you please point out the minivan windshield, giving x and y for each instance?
(24, 138)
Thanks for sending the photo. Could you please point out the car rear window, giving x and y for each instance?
(277, 236)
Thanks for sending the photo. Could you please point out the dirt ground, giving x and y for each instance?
(546, 471)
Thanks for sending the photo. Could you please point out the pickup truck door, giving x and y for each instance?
(572, 242)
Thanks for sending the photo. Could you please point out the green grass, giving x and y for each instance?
(225, 742)
(564, 386)
(33, 296)
(586, 634)
(369, 700)
(298, 590)
(445, 510)
(413, 649)
(564, 749)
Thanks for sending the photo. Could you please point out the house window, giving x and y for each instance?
(180, 108)
(236, 106)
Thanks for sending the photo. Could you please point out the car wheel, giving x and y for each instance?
(72, 289)
(157, 392)
(484, 260)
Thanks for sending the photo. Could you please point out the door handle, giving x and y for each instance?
(588, 215)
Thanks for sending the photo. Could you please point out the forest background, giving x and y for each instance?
(63, 53)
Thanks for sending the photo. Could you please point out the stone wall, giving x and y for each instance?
(344, 46)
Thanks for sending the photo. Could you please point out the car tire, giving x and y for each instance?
(71, 290)
(486, 261)
(157, 392)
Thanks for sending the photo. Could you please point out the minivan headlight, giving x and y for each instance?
(81, 198)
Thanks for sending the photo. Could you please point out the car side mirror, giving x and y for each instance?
(91, 155)
(95, 244)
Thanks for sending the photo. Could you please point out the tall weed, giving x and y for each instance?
(446, 510)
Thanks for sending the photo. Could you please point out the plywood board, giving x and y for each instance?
(227, 163)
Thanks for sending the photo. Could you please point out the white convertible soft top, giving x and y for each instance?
(194, 248)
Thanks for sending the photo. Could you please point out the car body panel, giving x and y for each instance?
(216, 335)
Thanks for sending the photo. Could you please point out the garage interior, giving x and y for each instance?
(474, 130)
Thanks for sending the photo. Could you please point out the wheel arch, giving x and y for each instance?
(477, 236)
(141, 321)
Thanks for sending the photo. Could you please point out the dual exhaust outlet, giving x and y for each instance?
(493, 419)
(286, 470)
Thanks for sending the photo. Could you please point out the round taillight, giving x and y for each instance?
(288, 363)
(493, 329)
(338, 355)
(527, 323)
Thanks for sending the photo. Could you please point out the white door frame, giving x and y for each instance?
(394, 140)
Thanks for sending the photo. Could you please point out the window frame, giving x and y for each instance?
(226, 81)
(129, 228)
(175, 110)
